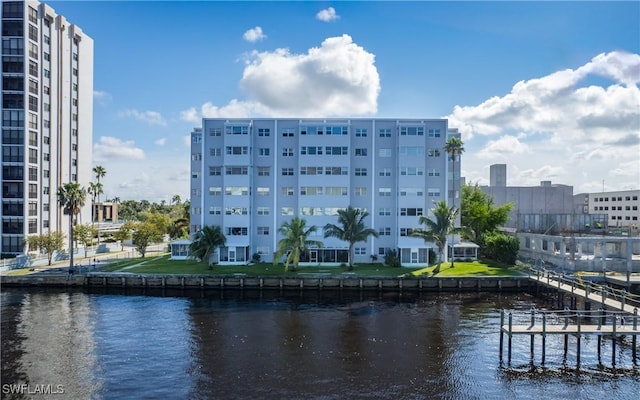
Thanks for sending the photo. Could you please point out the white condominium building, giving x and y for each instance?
(249, 176)
(47, 119)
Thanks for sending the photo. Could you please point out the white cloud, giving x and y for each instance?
(254, 35)
(190, 115)
(101, 97)
(150, 117)
(161, 141)
(186, 140)
(564, 120)
(108, 148)
(533, 177)
(327, 15)
(504, 147)
(339, 78)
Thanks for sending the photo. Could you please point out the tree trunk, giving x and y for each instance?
(350, 255)
(71, 240)
(437, 269)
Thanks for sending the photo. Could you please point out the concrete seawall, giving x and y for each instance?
(96, 279)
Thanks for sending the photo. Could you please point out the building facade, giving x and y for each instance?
(47, 119)
(622, 207)
(249, 176)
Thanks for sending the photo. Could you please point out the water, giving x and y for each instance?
(271, 345)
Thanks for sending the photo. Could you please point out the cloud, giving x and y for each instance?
(186, 140)
(532, 177)
(161, 141)
(109, 148)
(254, 35)
(339, 78)
(629, 168)
(101, 97)
(504, 147)
(150, 117)
(327, 15)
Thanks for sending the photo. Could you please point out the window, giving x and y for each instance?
(215, 210)
(263, 191)
(263, 249)
(311, 170)
(433, 172)
(74, 70)
(215, 171)
(263, 230)
(384, 152)
(215, 132)
(215, 191)
(336, 130)
(360, 251)
(264, 171)
(411, 150)
(196, 157)
(287, 191)
(311, 211)
(411, 191)
(331, 210)
(312, 130)
(433, 133)
(288, 132)
(413, 212)
(361, 172)
(385, 172)
(385, 192)
(287, 171)
(287, 152)
(433, 153)
(33, 15)
(411, 131)
(361, 132)
(385, 132)
(433, 192)
(215, 152)
(336, 150)
(237, 130)
(411, 171)
(237, 150)
(311, 150)
(74, 86)
(237, 231)
(264, 152)
(263, 210)
(286, 211)
(360, 191)
(236, 191)
(33, 174)
(383, 250)
(237, 170)
(384, 211)
(336, 171)
(310, 190)
(386, 231)
(406, 231)
(264, 132)
(336, 191)
(361, 152)
(33, 103)
(196, 139)
(236, 211)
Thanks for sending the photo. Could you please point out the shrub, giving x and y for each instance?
(392, 259)
(255, 258)
(501, 247)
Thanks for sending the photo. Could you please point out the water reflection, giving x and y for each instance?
(251, 344)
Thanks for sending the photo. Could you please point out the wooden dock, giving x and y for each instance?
(611, 324)
(605, 296)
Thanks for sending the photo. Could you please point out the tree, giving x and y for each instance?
(351, 229)
(501, 247)
(100, 173)
(454, 147)
(47, 243)
(480, 215)
(176, 199)
(205, 243)
(124, 233)
(144, 234)
(438, 228)
(95, 190)
(294, 242)
(84, 234)
(71, 197)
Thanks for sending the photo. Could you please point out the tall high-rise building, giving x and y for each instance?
(249, 176)
(47, 119)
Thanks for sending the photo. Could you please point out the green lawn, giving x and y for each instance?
(470, 268)
(162, 265)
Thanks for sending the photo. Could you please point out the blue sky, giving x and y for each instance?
(550, 89)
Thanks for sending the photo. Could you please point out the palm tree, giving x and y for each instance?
(71, 197)
(294, 242)
(100, 173)
(95, 190)
(454, 147)
(350, 229)
(205, 243)
(438, 228)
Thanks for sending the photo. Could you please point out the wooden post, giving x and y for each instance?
(509, 350)
(566, 339)
(634, 338)
(544, 336)
(502, 332)
(579, 336)
(533, 322)
(613, 342)
(599, 349)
